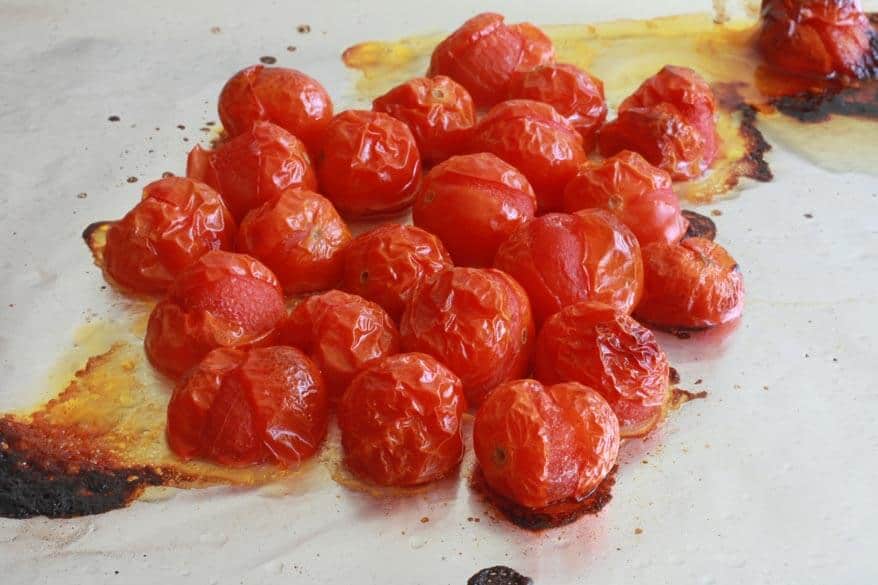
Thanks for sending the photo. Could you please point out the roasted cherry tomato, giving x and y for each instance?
(387, 264)
(473, 203)
(400, 421)
(535, 139)
(593, 344)
(560, 259)
(538, 445)
(438, 110)
(254, 167)
(538, 48)
(245, 406)
(220, 300)
(177, 221)
(286, 97)
(369, 164)
(343, 333)
(633, 190)
(693, 284)
(300, 236)
(475, 321)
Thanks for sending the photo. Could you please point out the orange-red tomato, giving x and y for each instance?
(369, 164)
(538, 49)
(438, 110)
(593, 344)
(245, 406)
(286, 97)
(400, 421)
(693, 284)
(475, 321)
(538, 445)
(560, 259)
(535, 139)
(342, 333)
(300, 236)
(176, 222)
(254, 167)
(473, 203)
(387, 264)
(221, 300)
(633, 190)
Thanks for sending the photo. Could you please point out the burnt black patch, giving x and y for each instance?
(754, 164)
(700, 226)
(499, 575)
(859, 100)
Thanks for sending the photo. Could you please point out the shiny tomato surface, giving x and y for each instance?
(245, 406)
(473, 203)
(475, 321)
(538, 49)
(593, 344)
(300, 236)
(538, 445)
(400, 421)
(176, 222)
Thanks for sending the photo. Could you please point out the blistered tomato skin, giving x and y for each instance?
(245, 406)
(387, 264)
(693, 284)
(633, 190)
(538, 49)
(477, 322)
(473, 203)
(176, 222)
(438, 110)
(538, 445)
(300, 236)
(369, 164)
(593, 344)
(400, 421)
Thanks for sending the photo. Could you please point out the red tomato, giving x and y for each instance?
(633, 190)
(220, 300)
(438, 110)
(473, 203)
(387, 264)
(286, 97)
(369, 164)
(477, 322)
(245, 406)
(254, 167)
(400, 421)
(300, 236)
(535, 139)
(693, 284)
(595, 345)
(538, 445)
(176, 222)
(538, 49)
(560, 259)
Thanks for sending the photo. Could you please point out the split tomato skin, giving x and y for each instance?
(400, 421)
(473, 203)
(177, 221)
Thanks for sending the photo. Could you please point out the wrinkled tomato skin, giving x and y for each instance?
(176, 222)
(245, 406)
(593, 344)
(561, 259)
(300, 236)
(286, 97)
(473, 203)
(538, 49)
(694, 284)
(342, 333)
(633, 190)
(369, 164)
(387, 264)
(477, 322)
(535, 139)
(438, 110)
(400, 421)
(221, 300)
(254, 167)
(538, 445)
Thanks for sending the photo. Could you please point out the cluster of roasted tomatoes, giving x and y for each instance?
(527, 258)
